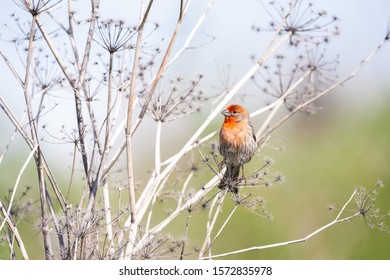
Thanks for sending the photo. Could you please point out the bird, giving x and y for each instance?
(237, 144)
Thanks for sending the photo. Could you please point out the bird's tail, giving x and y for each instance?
(230, 178)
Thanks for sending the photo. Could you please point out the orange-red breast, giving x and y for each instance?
(237, 144)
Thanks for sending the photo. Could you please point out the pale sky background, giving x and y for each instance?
(362, 24)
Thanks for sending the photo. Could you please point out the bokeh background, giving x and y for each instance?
(323, 156)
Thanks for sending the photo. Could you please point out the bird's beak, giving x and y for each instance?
(226, 113)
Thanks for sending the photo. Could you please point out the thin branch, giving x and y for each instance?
(224, 224)
(278, 103)
(107, 210)
(191, 34)
(87, 51)
(17, 182)
(12, 69)
(78, 106)
(184, 188)
(328, 90)
(157, 150)
(31, 145)
(128, 129)
(185, 234)
(162, 65)
(193, 200)
(335, 221)
(14, 230)
(210, 226)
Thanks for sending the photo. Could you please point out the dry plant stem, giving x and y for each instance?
(26, 84)
(210, 226)
(335, 221)
(175, 57)
(164, 61)
(155, 195)
(157, 150)
(38, 158)
(60, 233)
(44, 209)
(31, 145)
(279, 102)
(119, 131)
(76, 86)
(14, 230)
(78, 106)
(224, 224)
(183, 190)
(207, 239)
(12, 138)
(11, 68)
(80, 83)
(84, 66)
(106, 195)
(190, 147)
(88, 44)
(29, 141)
(191, 34)
(109, 109)
(72, 171)
(71, 35)
(93, 122)
(11, 201)
(107, 211)
(156, 180)
(76, 243)
(185, 234)
(128, 129)
(328, 90)
(193, 200)
(150, 94)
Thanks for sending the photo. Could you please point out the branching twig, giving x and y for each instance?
(17, 183)
(210, 226)
(14, 230)
(328, 90)
(129, 127)
(335, 221)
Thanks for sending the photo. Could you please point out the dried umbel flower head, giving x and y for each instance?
(114, 34)
(181, 99)
(365, 200)
(301, 21)
(307, 76)
(36, 7)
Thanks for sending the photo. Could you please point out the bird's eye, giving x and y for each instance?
(234, 112)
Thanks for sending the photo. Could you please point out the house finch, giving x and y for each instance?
(237, 144)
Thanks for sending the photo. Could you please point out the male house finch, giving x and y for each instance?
(237, 144)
